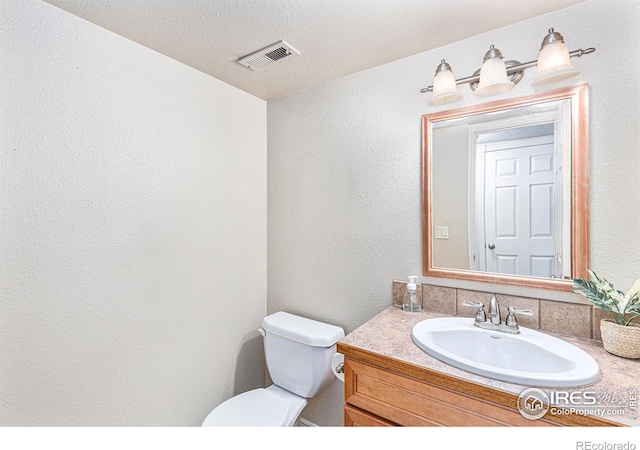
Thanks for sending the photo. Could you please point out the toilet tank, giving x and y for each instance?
(299, 351)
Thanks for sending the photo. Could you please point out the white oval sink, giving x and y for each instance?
(530, 358)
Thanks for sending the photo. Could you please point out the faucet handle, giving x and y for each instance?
(524, 312)
(480, 314)
(511, 320)
(473, 304)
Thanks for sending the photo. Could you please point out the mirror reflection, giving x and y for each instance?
(505, 190)
(499, 184)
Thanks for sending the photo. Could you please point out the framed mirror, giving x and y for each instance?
(506, 190)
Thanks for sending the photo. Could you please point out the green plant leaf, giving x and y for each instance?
(616, 296)
(603, 295)
(631, 297)
(635, 288)
(634, 305)
(594, 293)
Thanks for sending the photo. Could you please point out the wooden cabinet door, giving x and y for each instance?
(354, 417)
(410, 402)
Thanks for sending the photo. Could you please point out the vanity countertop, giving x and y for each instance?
(385, 340)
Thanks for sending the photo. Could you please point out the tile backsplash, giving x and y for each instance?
(572, 319)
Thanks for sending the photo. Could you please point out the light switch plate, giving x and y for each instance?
(442, 233)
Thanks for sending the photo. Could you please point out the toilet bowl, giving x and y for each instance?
(298, 352)
(270, 407)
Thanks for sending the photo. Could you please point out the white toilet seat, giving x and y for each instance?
(256, 408)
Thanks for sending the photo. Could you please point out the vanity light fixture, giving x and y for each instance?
(493, 75)
(444, 86)
(497, 76)
(553, 60)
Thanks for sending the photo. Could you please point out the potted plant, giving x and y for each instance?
(620, 336)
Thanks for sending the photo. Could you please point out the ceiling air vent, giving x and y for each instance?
(274, 52)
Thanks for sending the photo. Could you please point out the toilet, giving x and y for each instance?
(298, 353)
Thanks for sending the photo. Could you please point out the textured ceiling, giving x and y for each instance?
(335, 37)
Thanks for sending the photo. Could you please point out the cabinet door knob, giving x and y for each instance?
(491, 246)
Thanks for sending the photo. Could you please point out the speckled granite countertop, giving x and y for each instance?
(389, 335)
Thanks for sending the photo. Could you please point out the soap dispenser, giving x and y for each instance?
(411, 302)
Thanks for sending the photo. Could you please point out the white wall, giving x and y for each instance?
(450, 162)
(344, 171)
(132, 229)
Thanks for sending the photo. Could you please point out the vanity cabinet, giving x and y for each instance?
(375, 396)
(378, 397)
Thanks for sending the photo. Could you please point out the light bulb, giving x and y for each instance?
(553, 61)
(445, 89)
(493, 75)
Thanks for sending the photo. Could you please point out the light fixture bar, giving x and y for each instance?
(513, 69)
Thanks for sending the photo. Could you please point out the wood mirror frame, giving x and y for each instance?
(579, 189)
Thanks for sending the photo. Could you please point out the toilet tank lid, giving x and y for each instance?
(303, 330)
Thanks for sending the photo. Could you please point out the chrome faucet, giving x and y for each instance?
(494, 311)
(510, 324)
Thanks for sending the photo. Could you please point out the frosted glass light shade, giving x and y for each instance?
(493, 78)
(554, 64)
(445, 89)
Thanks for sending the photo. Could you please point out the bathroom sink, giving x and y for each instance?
(530, 358)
